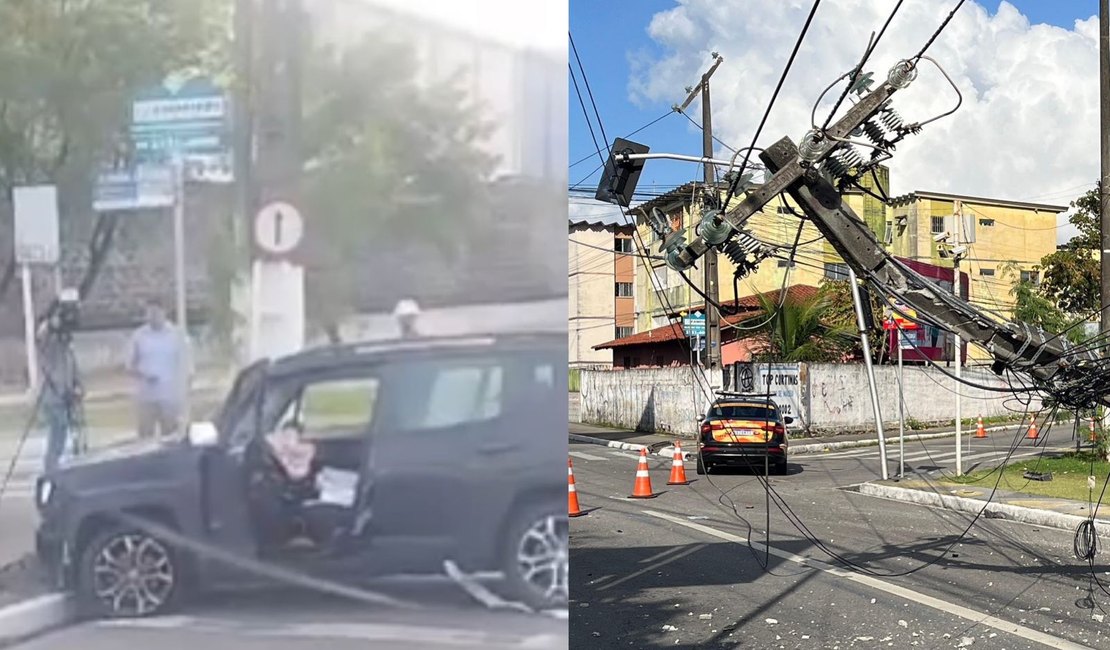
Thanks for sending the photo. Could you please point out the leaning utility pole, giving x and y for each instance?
(709, 261)
(1104, 184)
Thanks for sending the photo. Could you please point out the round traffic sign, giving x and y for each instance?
(278, 228)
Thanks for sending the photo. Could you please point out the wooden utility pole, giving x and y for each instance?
(709, 260)
(243, 123)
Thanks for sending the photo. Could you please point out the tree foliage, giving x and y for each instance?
(800, 330)
(68, 71)
(1033, 308)
(1071, 275)
(386, 161)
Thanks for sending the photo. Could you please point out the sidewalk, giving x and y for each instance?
(1053, 512)
(663, 445)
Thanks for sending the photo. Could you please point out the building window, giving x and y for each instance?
(987, 223)
(622, 244)
(624, 290)
(784, 263)
(784, 209)
(986, 271)
(623, 332)
(888, 236)
(627, 362)
(659, 361)
(836, 271)
(1033, 277)
(937, 225)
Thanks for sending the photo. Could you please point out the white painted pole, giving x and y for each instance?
(29, 332)
(858, 301)
(901, 408)
(179, 273)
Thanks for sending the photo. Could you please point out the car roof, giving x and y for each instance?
(357, 353)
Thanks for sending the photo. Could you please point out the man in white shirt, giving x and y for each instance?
(157, 359)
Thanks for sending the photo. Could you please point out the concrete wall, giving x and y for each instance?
(103, 352)
(836, 398)
(657, 399)
(839, 398)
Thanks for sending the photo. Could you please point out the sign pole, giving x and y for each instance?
(179, 272)
(29, 332)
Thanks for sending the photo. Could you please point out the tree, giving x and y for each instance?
(842, 314)
(1071, 274)
(68, 72)
(1033, 308)
(799, 330)
(386, 161)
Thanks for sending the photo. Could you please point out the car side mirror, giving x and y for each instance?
(203, 434)
(787, 419)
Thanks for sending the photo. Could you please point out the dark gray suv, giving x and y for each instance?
(341, 463)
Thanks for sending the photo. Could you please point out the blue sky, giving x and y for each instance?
(610, 34)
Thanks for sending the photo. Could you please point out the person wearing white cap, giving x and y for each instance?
(406, 313)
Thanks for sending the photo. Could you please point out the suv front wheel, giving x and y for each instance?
(537, 564)
(127, 573)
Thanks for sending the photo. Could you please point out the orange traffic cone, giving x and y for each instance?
(980, 432)
(678, 470)
(1032, 435)
(1094, 438)
(573, 509)
(641, 489)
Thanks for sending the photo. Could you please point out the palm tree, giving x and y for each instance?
(799, 330)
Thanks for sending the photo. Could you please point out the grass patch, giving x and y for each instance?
(1069, 476)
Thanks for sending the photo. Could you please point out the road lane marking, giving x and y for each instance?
(584, 456)
(890, 588)
(625, 454)
(648, 569)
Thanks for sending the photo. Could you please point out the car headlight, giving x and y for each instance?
(46, 489)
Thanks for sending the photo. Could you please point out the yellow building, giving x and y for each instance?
(996, 242)
(777, 223)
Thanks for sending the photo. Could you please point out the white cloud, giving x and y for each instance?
(582, 209)
(1027, 128)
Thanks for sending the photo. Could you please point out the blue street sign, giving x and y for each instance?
(190, 119)
(694, 325)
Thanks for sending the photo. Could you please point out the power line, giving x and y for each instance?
(858, 70)
(774, 96)
(591, 155)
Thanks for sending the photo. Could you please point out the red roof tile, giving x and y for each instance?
(674, 331)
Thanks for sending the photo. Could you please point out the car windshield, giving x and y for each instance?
(742, 411)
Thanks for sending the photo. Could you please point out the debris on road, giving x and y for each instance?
(705, 617)
(772, 621)
(903, 623)
(670, 628)
(480, 592)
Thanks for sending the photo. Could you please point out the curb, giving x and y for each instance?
(873, 442)
(668, 450)
(1005, 511)
(36, 616)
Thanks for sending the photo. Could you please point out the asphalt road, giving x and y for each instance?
(299, 620)
(690, 568)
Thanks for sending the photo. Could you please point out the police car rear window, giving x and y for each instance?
(742, 411)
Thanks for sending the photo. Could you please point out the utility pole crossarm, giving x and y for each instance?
(792, 171)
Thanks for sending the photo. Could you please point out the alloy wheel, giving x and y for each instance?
(543, 557)
(133, 575)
